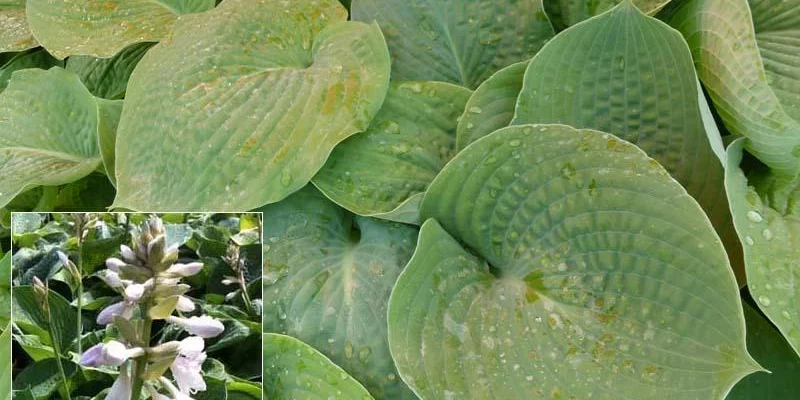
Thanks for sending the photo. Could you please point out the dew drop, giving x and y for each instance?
(514, 143)
(754, 216)
(475, 110)
(786, 315)
(764, 300)
(748, 240)
(286, 177)
(767, 234)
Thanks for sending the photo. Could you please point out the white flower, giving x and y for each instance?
(188, 364)
(203, 326)
(112, 279)
(115, 264)
(176, 394)
(112, 353)
(134, 292)
(185, 304)
(184, 269)
(121, 389)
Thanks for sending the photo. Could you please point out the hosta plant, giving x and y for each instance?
(463, 199)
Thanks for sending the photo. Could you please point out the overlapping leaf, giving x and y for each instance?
(294, 370)
(328, 278)
(491, 106)
(50, 131)
(626, 73)
(565, 13)
(103, 28)
(247, 111)
(590, 272)
(37, 58)
(743, 87)
(767, 218)
(108, 77)
(15, 35)
(457, 41)
(390, 165)
(768, 347)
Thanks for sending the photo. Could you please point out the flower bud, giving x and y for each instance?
(127, 254)
(111, 279)
(203, 326)
(184, 304)
(185, 269)
(93, 356)
(63, 258)
(114, 264)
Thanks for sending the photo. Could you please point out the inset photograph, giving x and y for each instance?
(122, 306)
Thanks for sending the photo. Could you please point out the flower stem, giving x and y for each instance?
(57, 351)
(141, 362)
(79, 296)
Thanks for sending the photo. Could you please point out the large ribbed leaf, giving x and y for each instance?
(630, 74)
(328, 278)
(491, 106)
(777, 25)
(728, 60)
(15, 35)
(457, 41)
(245, 111)
(589, 273)
(408, 143)
(293, 370)
(767, 218)
(565, 13)
(103, 28)
(767, 346)
(49, 125)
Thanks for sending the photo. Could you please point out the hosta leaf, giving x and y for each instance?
(491, 106)
(37, 58)
(108, 116)
(724, 46)
(767, 219)
(27, 311)
(15, 35)
(777, 25)
(768, 347)
(565, 13)
(108, 77)
(329, 275)
(49, 125)
(604, 75)
(408, 142)
(248, 110)
(294, 370)
(103, 28)
(590, 272)
(5, 361)
(458, 41)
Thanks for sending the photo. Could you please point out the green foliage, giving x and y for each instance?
(472, 199)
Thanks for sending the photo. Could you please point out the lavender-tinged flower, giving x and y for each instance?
(112, 353)
(188, 364)
(121, 389)
(122, 309)
(112, 279)
(203, 326)
(185, 304)
(185, 269)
